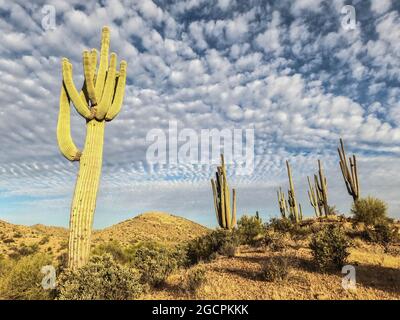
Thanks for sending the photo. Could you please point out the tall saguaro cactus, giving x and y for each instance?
(292, 201)
(349, 172)
(100, 100)
(225, 217)
(318, 193)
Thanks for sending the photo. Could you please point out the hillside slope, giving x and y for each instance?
(155, 226)
(152, 226)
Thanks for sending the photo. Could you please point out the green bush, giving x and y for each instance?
(207, 247)
(280, 225)
(228, 249)
(382, 233)
(275, 269)
(115, 249)
(369, 210)
(23, 250)
(195, 279)
(155, 263)
(275, 241)
(249, 229)
(330, 248)
(21, 279)
(100, 279)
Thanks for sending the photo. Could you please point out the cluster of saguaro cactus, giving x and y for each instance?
(318, 192)
(290, 208)
(318, 189)
(349, 172)
(225, 216)
(100, 100)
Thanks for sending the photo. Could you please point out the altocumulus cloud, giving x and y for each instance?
(287, 70)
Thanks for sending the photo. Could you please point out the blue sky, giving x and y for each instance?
(286, 69)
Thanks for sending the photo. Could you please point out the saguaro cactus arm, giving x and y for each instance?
(89, 71)
(79, 103)
(103, 66)
(64, 139)
(119, 93)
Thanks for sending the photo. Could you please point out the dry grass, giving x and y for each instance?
(238, 278)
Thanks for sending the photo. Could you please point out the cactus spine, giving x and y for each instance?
(318, 193)
(292, 201)
(99, 101)
(225, 217)
(349, 172)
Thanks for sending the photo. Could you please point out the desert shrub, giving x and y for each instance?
(21, 280)
(330, 248)
(8, 240)
(17, 234)
(155, 263)
(179, 253)
(100, 279)
(23, 250)
(275, 269)
(195, 279)
(275, 241)
(228, 249)
(333, 211)
(369, 210)
(207, 247)
(382, 233)
(115, 249)
(300, 232)
(249, 229)
(44, 240)
(280, 225)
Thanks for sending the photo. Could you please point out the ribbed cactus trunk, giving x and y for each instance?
(84, 201)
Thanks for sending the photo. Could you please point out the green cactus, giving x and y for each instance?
(282, 203)
(225, 217)
(100, 100)
(350, 175)
(292, 201)
(318, 193)
(312, 195)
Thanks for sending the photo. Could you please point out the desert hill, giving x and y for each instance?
(150, 226)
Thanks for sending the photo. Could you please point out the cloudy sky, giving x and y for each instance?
(287, 69)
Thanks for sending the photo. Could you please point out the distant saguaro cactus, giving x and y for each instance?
(225, 217)
(294, 208)
(100, 100)
(282, 203)
(318, 193)
(349, 172)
